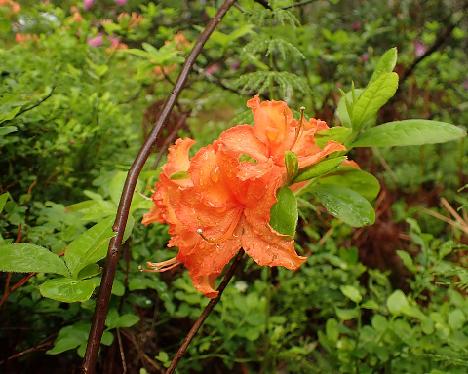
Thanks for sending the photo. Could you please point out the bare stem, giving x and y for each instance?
(208, 309)
(102, 304)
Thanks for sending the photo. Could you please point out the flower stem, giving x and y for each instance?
(206, 312)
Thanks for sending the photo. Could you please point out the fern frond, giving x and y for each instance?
(273, 45)
(261, 81)
(274, 17)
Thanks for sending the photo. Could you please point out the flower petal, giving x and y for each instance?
(269, 248)
(272, 121)
(241, 140)
(178, 160)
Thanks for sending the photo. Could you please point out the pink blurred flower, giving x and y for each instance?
(212, 69)
(88, 4)
(356, 25)
(96, 41)
(419, 48)
(120, 2)
(364, 57)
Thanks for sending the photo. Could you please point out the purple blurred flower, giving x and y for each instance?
(419, 48)
(235, 65)
(88, 4)
(465, 84)
(120, 2)
(96, 41)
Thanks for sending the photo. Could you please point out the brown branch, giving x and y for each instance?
(170, 138)
(208, 309)
(102, 303)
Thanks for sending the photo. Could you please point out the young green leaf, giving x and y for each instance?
(351, 293)
(345, 106)
(30, 258)
(345, 204)
(68, 290)
(373, 98)
(409, 132)
(283, 215)
(357, 180)
(319, 169)
(338, 134)
(386, 63)
(397, 302)
(89, 247)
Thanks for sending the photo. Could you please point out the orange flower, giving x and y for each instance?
(208, 221)
(220, 200)
(13, 5)
(275, 131)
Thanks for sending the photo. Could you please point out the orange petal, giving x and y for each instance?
(209, 186)
(320, 154)
(241, 140)
(178, 160)
(350, 164)
(272, 121)
(205, 261)
(269, 248)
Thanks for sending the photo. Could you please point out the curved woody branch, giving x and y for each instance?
(89, 362)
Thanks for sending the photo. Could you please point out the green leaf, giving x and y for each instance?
(9, 115)
(345, 105)
(7, 129)
(283, 215)
(456, 319)
(407, 260)
(357, 180)
(3, 199)
(373, 98)
(409, 132)
(346, 314)
(386, 63)
(321, 168)
(345, 204)
(397, 303)
(70, 337)
(30, 258)
(113, 320)
(68, 290)
(338, 134)
(351, 293)
(291, 163)
(89, 247)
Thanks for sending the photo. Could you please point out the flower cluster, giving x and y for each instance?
(220, 200)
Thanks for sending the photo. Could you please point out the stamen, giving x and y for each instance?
(298, 129)
(160, 267)
(229, 232)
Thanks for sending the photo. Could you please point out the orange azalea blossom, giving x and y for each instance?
(220, 200)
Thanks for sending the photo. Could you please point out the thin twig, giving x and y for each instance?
(102, 304)
(36, 104)
(455, 215)
(208, 309)
(122, 353)
(298, 4)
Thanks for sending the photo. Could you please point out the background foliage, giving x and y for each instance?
(79, 91)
